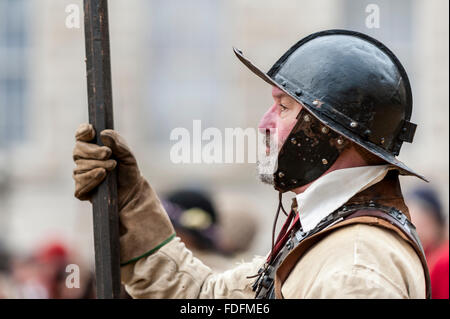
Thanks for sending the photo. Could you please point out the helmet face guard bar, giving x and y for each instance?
(309, 151)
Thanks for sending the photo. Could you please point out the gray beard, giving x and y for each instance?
(266, 167)
(267, 179)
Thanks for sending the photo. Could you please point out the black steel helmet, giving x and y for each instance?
(349, 83)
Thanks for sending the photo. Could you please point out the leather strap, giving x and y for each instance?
(368, 216)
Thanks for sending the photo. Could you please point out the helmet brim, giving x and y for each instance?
(371, 147)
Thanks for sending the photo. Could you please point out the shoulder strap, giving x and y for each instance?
(385, 217)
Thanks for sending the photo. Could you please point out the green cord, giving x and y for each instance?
(150, 251)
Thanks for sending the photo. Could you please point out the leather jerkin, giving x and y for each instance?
(380, 205)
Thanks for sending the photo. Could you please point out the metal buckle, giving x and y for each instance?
(398, 215)
(300, 235)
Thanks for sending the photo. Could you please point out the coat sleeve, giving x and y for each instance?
(173, 272)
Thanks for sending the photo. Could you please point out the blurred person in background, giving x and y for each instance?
(43, 274)
(194, 216)
(38, 275)
(195, 219)
(7, 287)
(216, 233)
(428, 216)
(239, 225)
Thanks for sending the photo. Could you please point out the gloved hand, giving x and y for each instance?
(145, 226)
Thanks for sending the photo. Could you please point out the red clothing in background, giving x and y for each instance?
(439, 269)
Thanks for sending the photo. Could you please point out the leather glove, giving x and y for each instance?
(144, 224)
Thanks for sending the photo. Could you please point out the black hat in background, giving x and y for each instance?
(193, 211)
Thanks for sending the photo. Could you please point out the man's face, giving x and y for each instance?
(278, 121)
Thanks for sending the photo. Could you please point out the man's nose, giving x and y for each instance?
(268, 121)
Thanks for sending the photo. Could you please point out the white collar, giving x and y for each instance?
(334, 189)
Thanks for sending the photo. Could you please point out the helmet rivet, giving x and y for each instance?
(367, 132)
(382, 140)
(315, 102)
(324, 161)
(284, 83)
(293, 141)
(306, 118)
(280, 174)
(340, 141)
(325, 129)
(353, 124)
(298, 92)
(293, 181)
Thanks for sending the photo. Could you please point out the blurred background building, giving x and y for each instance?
(172, 63)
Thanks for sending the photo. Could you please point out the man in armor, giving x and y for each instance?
(342, 105)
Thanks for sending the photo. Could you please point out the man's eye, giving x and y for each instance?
(282, 107)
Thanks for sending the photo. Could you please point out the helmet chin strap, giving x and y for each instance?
(280, 207)
(271, 255)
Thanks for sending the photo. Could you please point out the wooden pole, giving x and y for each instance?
(104, 200)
